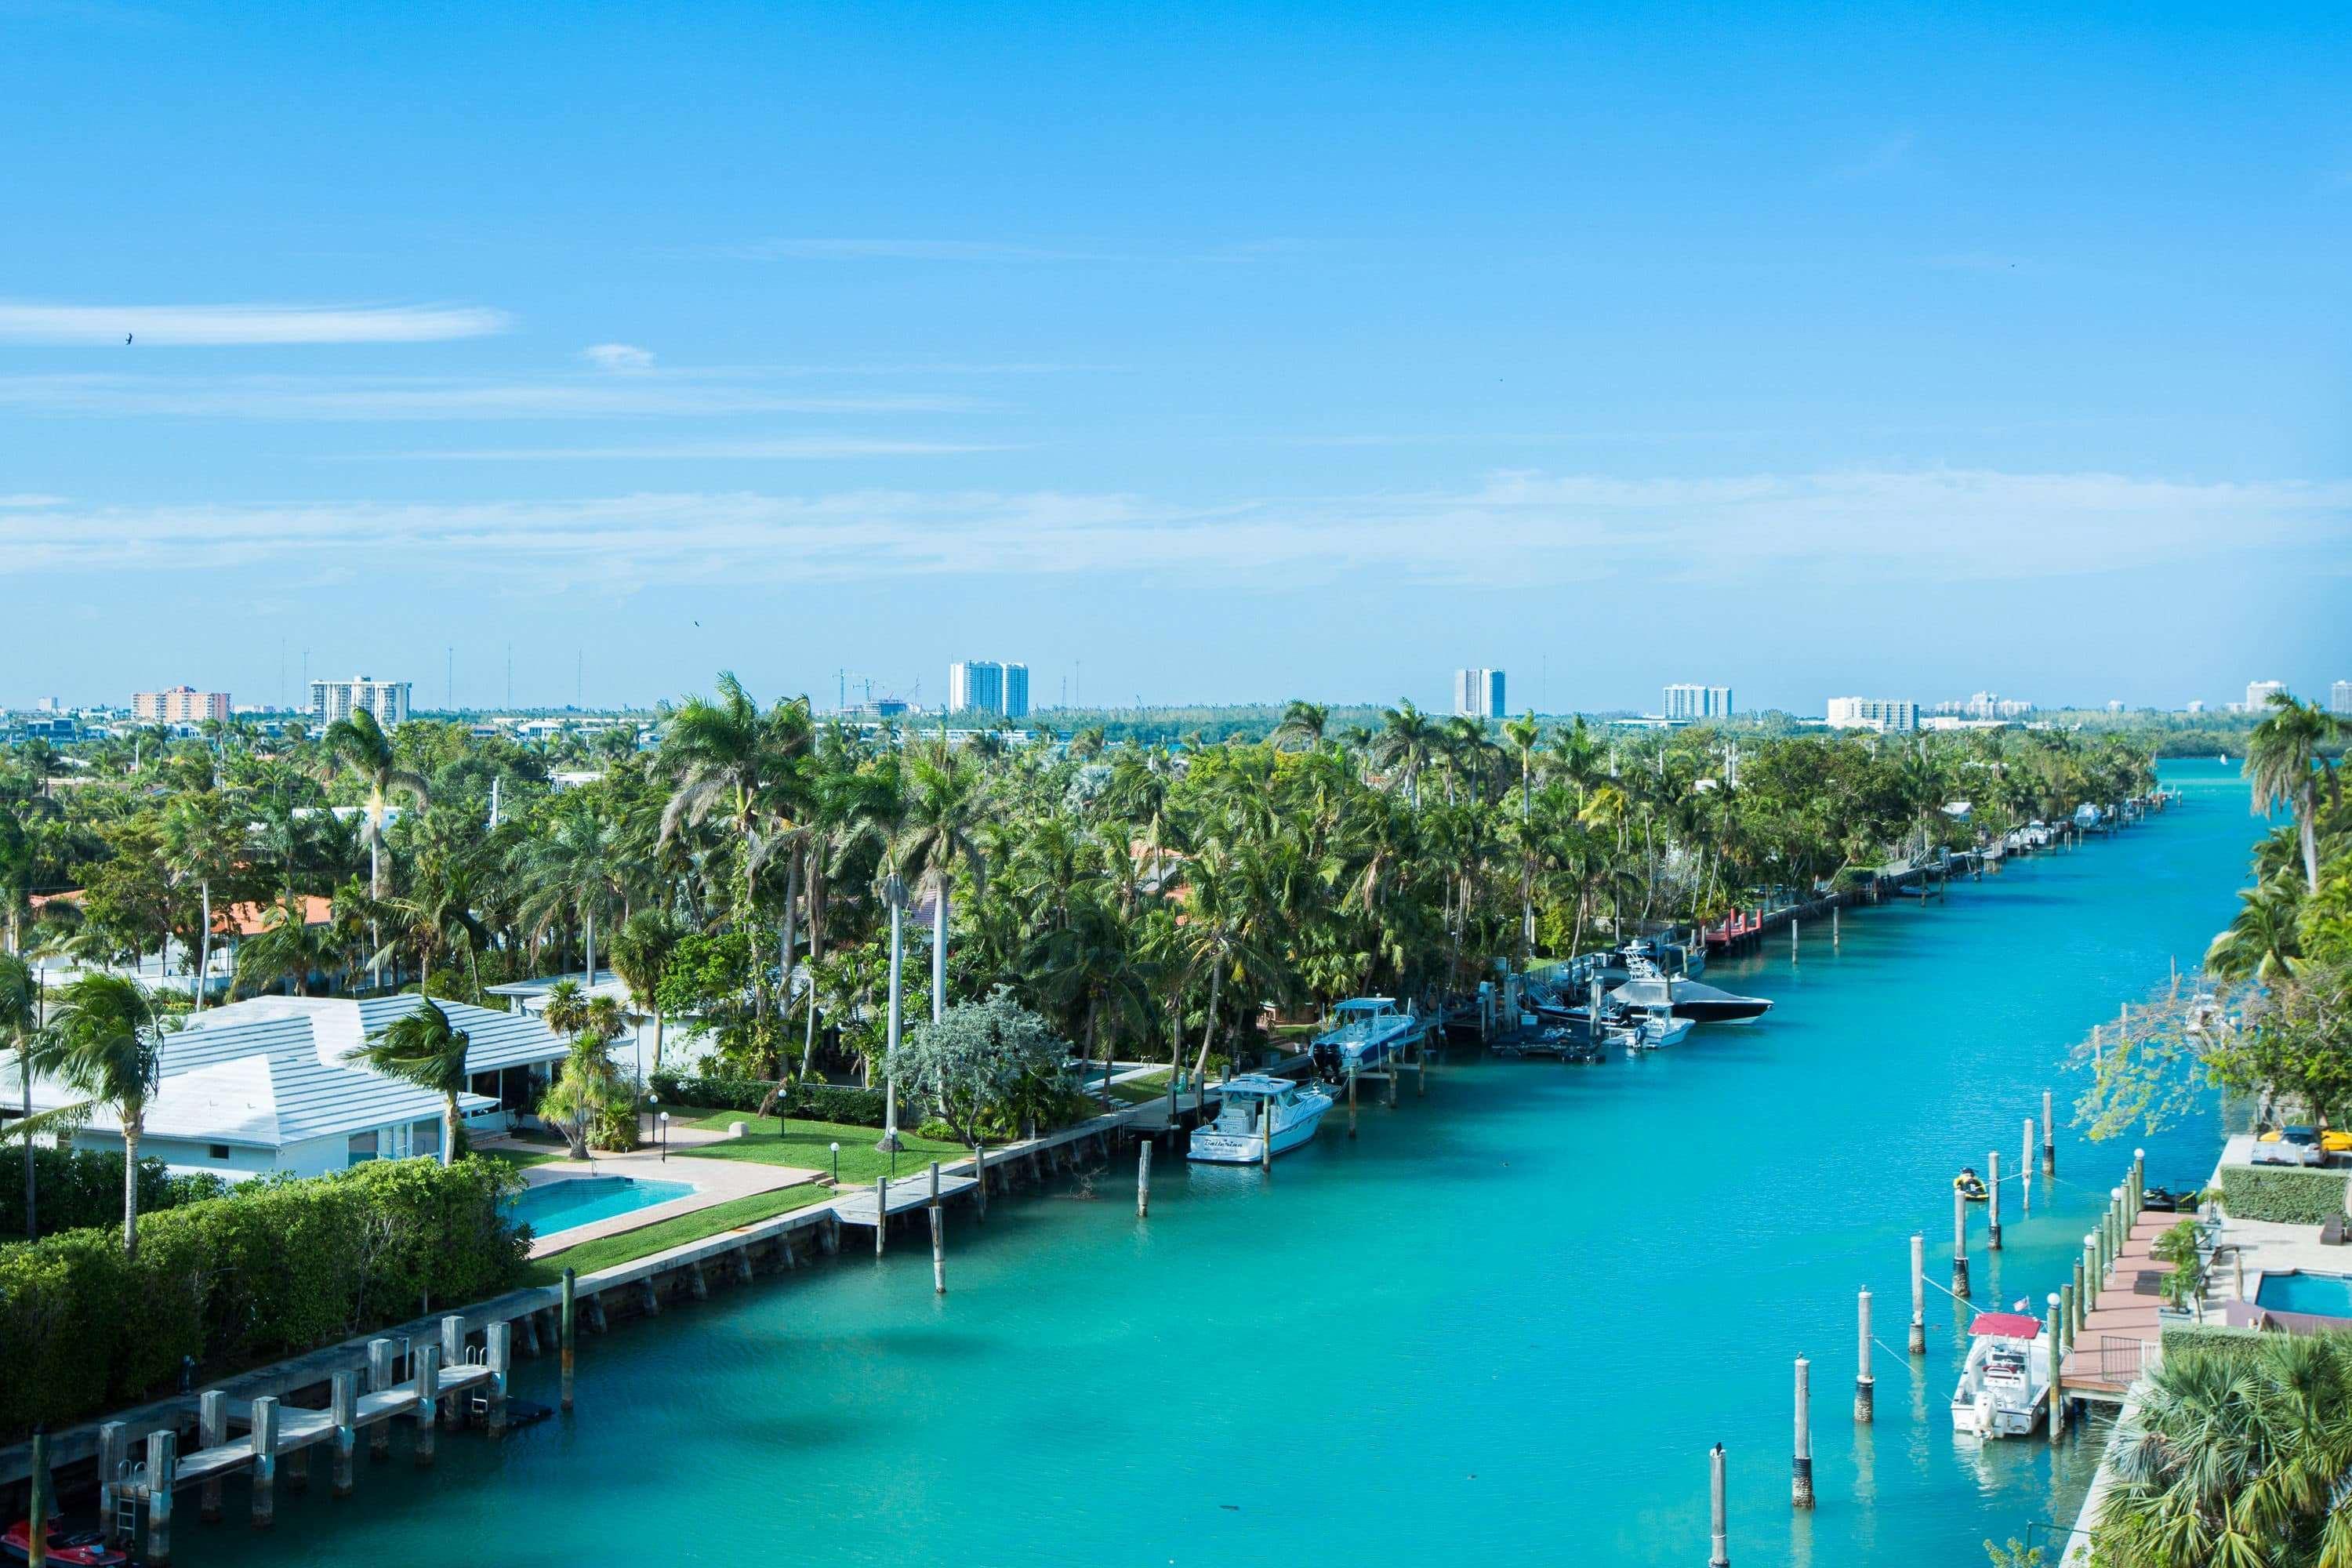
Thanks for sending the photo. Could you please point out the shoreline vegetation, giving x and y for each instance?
(1058, 905)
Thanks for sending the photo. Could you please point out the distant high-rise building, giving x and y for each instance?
(1478, 694)
(179, 705)
(336, 699)
(1685, 702)
(987, 686)
(1873, 713)
(2196, 705)
(2257, 694)
(2340, 697)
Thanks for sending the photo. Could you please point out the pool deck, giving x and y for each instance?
(715, 1181)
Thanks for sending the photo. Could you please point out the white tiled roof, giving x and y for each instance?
(274, 1070)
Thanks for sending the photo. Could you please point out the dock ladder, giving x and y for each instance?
(129, 1479)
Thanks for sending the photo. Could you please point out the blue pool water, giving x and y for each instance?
(554, 1206)
(1502, 1325)
(2328, 1295)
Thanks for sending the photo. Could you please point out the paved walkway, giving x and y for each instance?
(715, 1182)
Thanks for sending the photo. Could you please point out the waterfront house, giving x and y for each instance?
(266, 1086)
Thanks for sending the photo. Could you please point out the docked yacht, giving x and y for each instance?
(1253, 1103)
(2004, 1389)
(1365, 1032)
(1646, 990)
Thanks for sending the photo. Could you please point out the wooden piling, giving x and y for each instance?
(2057, 1360)
(163, 1468)
(881, 1214)
(1959, 1244)
(1800, 1464)
(1720, 1554)
(1396, 1071)
(1834, 925)
(980, 1170)
(1918, 1342)
(211, 1431)
(37, 1515)
(453, 1355)
(1144, 1179)
(499, 1354)
(114, 1458)
(1352, 1099)
(380, 1378)
(1992, 1201)
(265, 1463)
(938, 1237)
(2048, 1143)
(2138, 1184)
(1866, 1385)
(2068, 1324)
(342, 1404)
(1265, 1134)
(428, 1389)
(570, 1290)
(2026, 1170)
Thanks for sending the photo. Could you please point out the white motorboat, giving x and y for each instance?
(2004, 1389)
(1648, 1031)
(1253, 1104)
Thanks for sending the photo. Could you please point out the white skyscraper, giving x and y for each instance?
(1478, 694)
(2257, 694)
(1685, 702)
(1873, 713)
(334, 700)
(987, 686)
(2340, 697)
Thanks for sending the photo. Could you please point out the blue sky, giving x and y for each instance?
(1226, 352)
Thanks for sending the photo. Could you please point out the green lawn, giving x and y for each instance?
(808, 1146)
(627, 1247)
(518, 1158)
(1136, 1090)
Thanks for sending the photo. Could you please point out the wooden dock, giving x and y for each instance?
(2122, 1328)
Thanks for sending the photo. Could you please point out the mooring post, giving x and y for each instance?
(2069, 1324)
(380, 1368)
(1142, 1178)
(453, 1355)
(980, 1168)
(1352, 1099)
(37, 1515)
(2048, 1143)
(2138, 1182)
(211, 1431)
(265, 1462)
(2026, 1169)
(1919, 1340)
(1396, 1071)
(1992, 1201)
(1959, 1244)
(2088, 1280)
(113, 1455)
(1720, 1556)
(2057, 1367)
(1265, 1134)
(428, 1401)
(1834, 925)
(1800, 1464)
(571, 1328)
(1793, 923)
(939, 1237)
(499, 1354)
(162, 1466)
(342, 1403)
(881, 1214)
(1865, 1386)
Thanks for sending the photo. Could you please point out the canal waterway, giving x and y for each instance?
(1503, 1325)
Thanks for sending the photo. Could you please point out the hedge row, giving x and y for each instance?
(2282, 1194)
(815, 1101)
(81, 1188)
(279, 1268)
(2180, 1337)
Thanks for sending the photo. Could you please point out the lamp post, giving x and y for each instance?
(894, 893)
(665, 1137)
(836, 1164)
(653, 1115)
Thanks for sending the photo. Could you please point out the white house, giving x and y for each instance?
(264, 1085)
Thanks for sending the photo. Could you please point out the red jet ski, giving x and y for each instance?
(77, 1547)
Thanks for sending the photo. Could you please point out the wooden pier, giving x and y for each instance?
(2122, 1328)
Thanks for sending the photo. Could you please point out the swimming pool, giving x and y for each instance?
(553, 1207)
(2321, 1295)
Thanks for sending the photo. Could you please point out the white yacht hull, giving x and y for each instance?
(1211, 1147)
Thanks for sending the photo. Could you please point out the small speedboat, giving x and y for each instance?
(2004, 1388)
(65, 1545)
(1649, 1031)
(1365, 1033)
(1257, 1106)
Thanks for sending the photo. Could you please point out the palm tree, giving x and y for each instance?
(288, 947)
(420, 1047)
(586, 1085)
(642, 949)
(2262, 943)
(106, 1043)
(942, 817)
(1407, 742)
(1302, 721)
(358, 744)
(201, 839)
(575, 868)
(2281, 761)
(20, 1007)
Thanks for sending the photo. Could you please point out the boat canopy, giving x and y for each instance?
(1367, 1004)
(1257, 1085)
(2005, 1326)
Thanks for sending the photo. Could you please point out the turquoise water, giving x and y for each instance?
(1502, 1326)
(553, 1207)
(2327, 1295)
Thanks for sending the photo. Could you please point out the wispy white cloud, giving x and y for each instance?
(1885, 157)
(787, 448)
(619, 358)
(29, 499)
(218, 325)
(972, 250)
(1862, 527)
(642, 394)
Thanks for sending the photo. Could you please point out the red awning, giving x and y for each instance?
(2006, 1325)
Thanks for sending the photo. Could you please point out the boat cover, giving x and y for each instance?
(2006, 1325)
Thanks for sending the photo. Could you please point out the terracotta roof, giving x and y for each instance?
(252, 919)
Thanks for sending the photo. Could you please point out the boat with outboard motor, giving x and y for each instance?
(1650, 991)
(1364, 1034)
(1256, 1107)
(2004, 1388)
